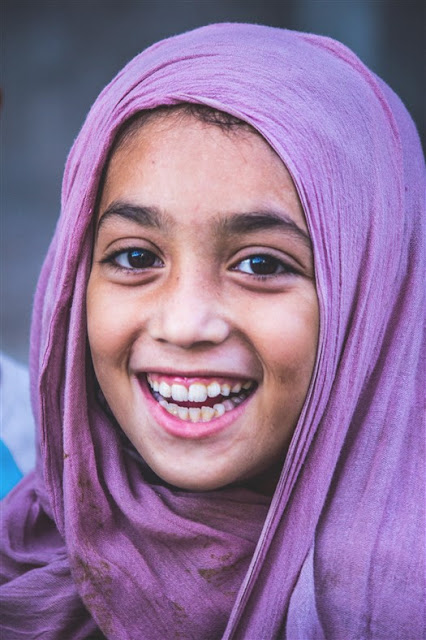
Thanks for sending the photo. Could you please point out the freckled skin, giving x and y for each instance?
(198, 312)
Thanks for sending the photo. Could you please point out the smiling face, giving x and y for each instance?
(202, 307)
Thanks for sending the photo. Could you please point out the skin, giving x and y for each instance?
(199, 307)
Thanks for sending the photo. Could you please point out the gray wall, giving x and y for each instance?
(58, 55)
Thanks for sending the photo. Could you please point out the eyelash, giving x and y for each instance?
(112, 260)
(282, 267)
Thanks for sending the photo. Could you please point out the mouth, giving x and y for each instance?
(199, 399)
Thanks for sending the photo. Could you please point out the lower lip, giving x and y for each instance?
(183, 428)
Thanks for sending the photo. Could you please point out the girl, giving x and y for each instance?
(225, 358)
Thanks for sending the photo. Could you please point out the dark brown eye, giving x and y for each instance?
(262, 265)
(137, 259)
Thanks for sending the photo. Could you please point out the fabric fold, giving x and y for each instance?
(95, 541)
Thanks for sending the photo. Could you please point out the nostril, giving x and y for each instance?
(188, 330)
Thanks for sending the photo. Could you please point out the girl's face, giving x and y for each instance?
(202, 308)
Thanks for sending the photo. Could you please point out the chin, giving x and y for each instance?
(195, 481)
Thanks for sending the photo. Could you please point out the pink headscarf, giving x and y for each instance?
(91, 539)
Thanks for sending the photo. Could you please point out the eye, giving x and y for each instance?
(263, 265)
(136, 259)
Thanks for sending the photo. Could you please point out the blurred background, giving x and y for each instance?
(58, 54)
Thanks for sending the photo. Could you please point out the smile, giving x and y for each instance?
(198, 399)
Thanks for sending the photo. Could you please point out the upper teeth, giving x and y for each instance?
(197, 391)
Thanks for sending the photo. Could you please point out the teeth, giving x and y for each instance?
(225, 389)
(194, 414)
(154, 384)
(172, 408)
(228, 404)
(213, 389)
(219, 409)
(164, 389)
(197, 392)
(207, 413)
(179, 393)
(183, 413)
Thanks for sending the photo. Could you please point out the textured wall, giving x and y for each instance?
(59, 54)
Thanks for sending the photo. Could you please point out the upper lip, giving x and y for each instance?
(198, 373)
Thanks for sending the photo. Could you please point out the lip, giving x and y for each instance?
(196, 374)
(183, 428)
(190, 379)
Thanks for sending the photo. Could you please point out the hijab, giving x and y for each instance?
(93, 543)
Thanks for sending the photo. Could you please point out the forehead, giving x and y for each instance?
(186, 166)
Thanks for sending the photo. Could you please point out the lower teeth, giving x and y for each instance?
(195, 414)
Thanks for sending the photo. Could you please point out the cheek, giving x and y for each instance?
(110, 323)
(286, 335)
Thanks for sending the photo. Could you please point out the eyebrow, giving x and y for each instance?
(233, 224)
(242, 223)
(145, 216)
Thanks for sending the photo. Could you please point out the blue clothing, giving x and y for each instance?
(9, 472)
(17, 442)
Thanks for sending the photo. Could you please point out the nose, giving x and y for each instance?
(188, 314)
